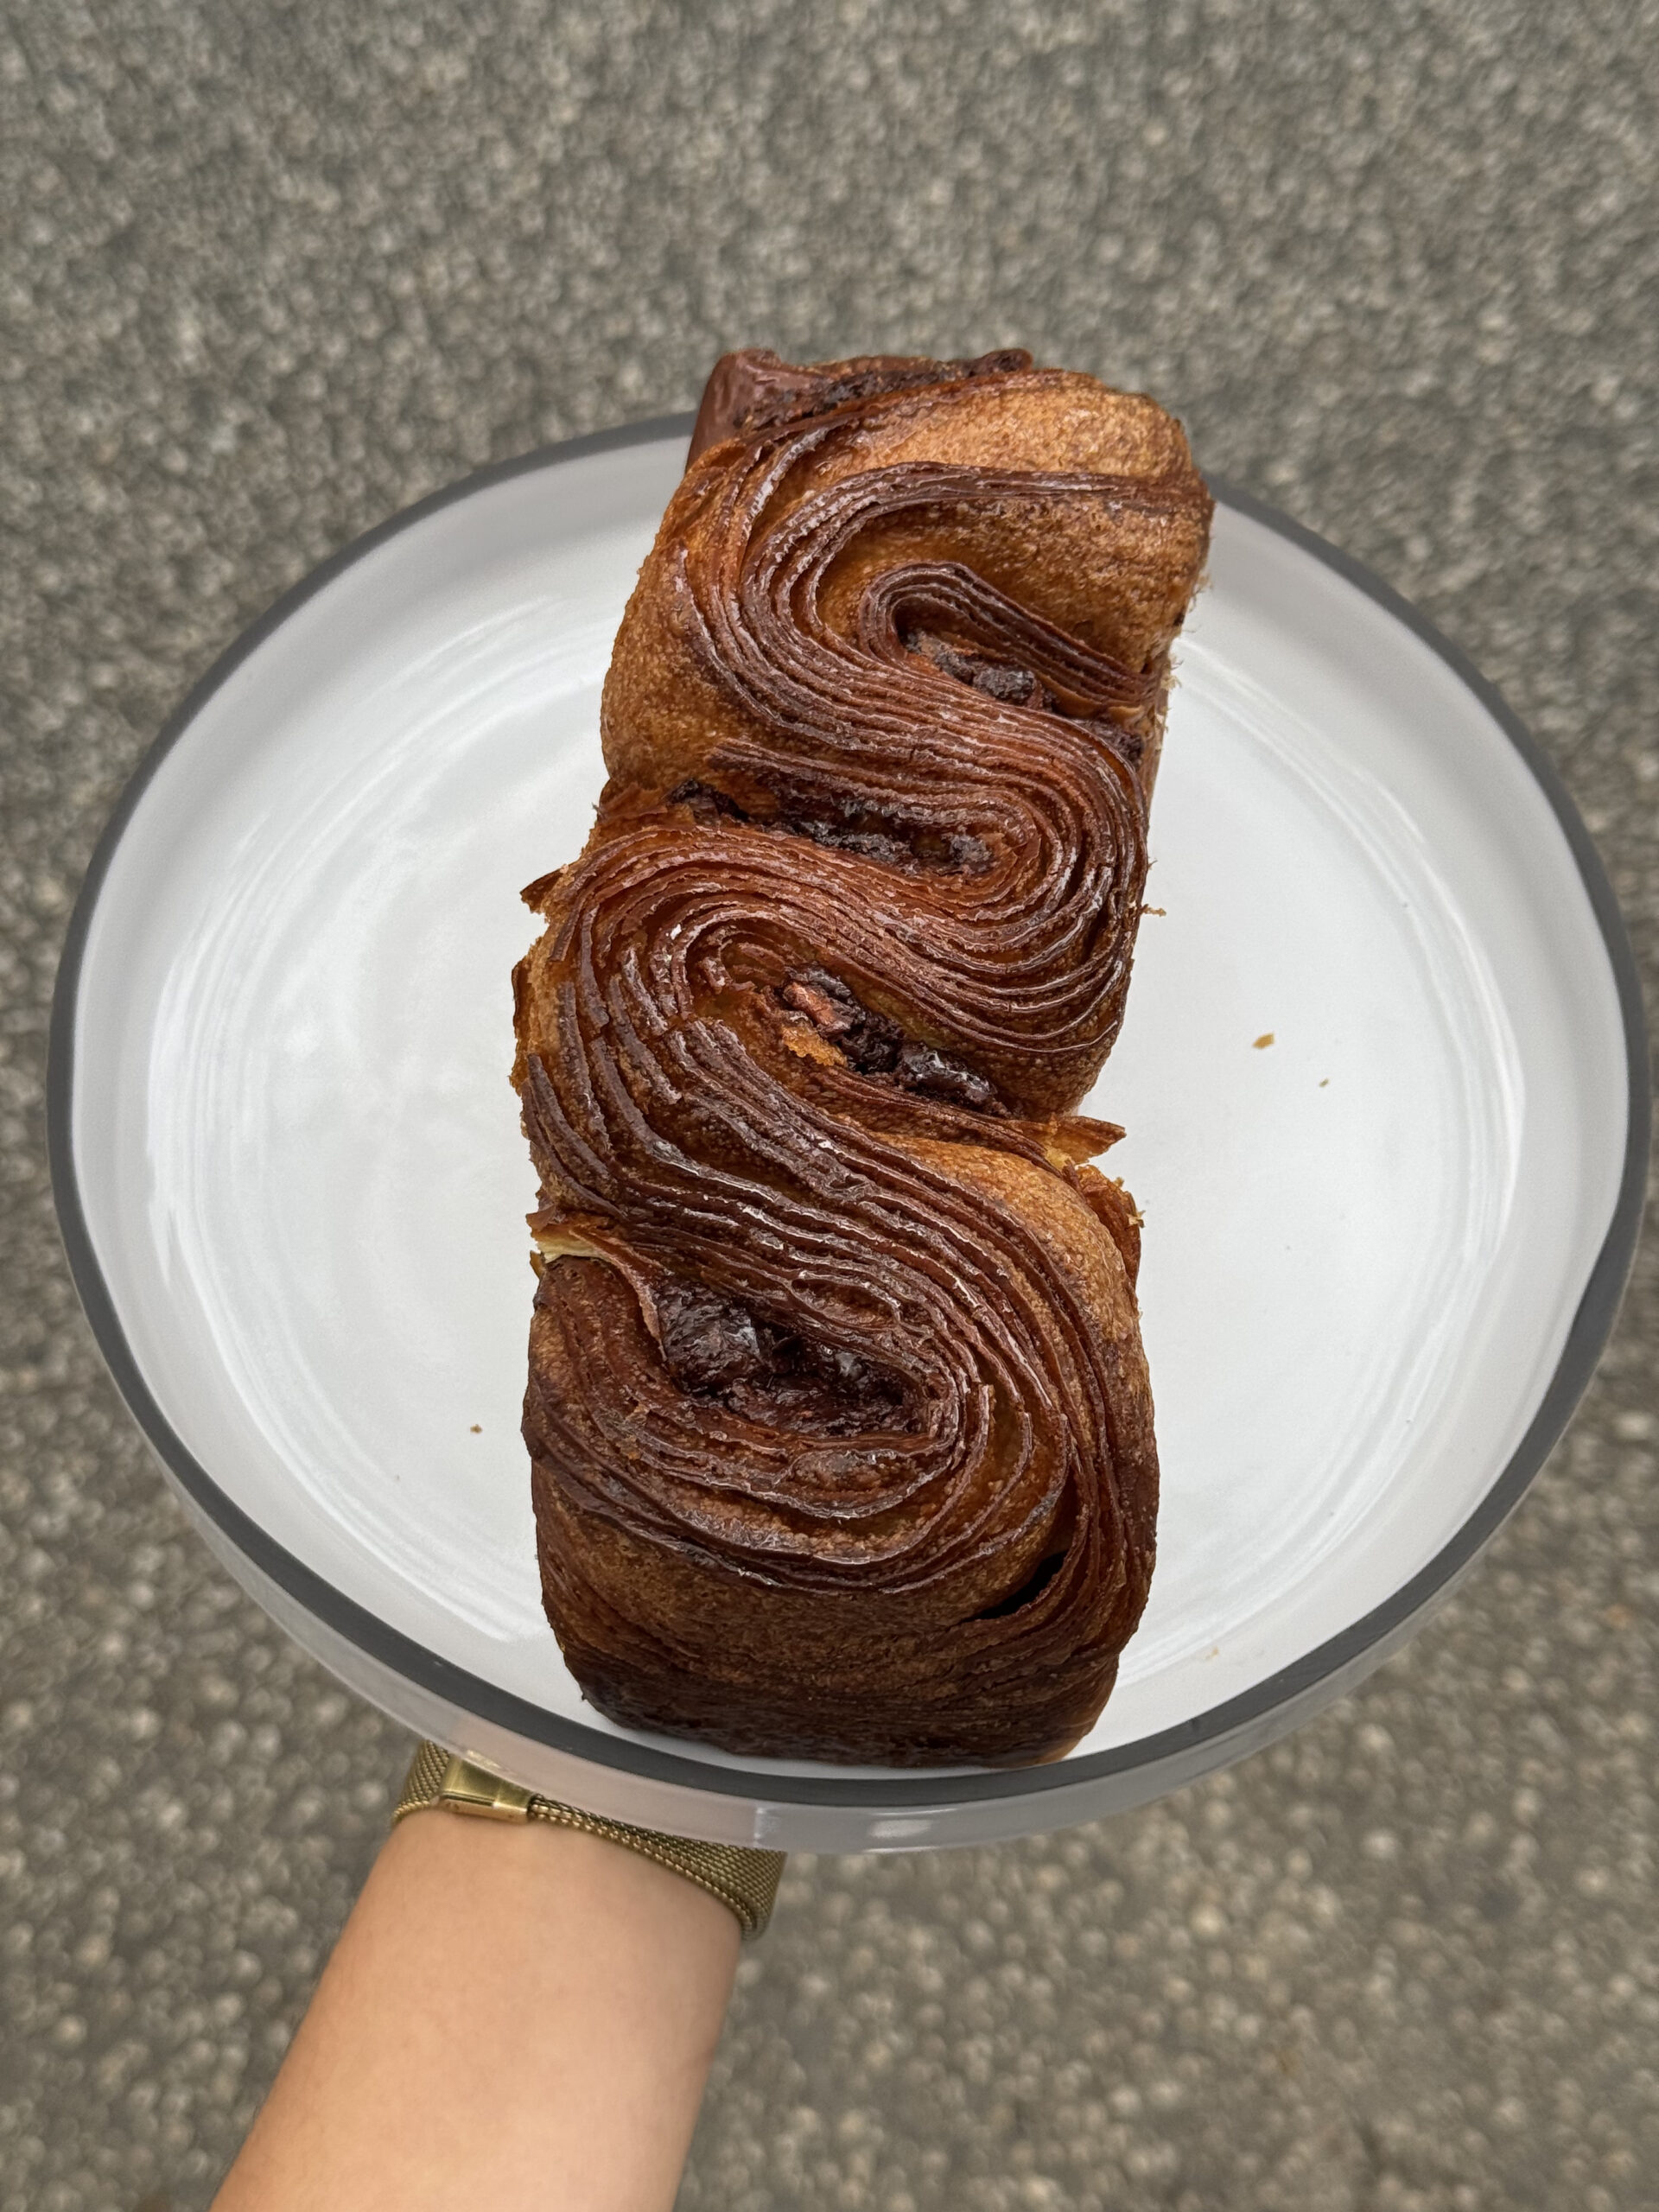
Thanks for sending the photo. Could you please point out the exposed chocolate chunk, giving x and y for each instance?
(873, 844)
(714, 1346)
(706, 804)
(940, 1075)
(910, 846)
(1020, 687)
(954, 850)
(875, 1044)
(970, 855)
(828, 1390)
(871, 1042)
(900, 845)
(709, 1342)
(1015, 687)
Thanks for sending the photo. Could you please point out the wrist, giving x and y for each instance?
(743, 1879)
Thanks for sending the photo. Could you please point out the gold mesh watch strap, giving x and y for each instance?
(744, 1881)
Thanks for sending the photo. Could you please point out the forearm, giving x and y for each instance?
(513, 2017)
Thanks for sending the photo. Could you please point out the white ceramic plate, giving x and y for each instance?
(1382, 1250)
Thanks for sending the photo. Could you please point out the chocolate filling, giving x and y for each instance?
(714, 1347)
(875, 1044)
(705, 804)
(908, 846)
(1015, 687)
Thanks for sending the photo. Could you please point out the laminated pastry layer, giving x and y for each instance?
(840, 1424)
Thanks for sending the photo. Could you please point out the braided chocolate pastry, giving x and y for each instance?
(840, 1422)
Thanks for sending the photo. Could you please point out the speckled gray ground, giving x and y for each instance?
(271, 271)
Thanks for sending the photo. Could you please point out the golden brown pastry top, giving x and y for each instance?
(840, 1422)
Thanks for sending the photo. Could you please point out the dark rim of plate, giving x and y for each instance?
(892, 1790)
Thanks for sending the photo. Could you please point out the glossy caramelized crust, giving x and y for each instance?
(840, 1423)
